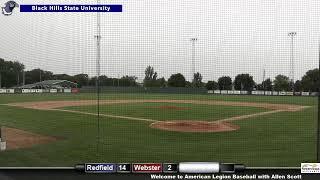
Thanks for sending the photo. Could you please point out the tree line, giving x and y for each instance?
(12, 74)
(309, 82)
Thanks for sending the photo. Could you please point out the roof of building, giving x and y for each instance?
(48, 83)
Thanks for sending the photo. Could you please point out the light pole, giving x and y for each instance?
(193, 40)
(98, 39)
(291, 74)
(98, 57)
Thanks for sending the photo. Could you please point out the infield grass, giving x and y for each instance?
(170, 111)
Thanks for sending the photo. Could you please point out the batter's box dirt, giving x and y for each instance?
(17, 139)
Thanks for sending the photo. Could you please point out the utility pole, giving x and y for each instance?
(39, 75)
(23, 78)
(118, 80)
(18, 78)
(1, 70)
(263, 79)
(291, 74)
(193, 40)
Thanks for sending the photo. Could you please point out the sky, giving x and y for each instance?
(234, 37)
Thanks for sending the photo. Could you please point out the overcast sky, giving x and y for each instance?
(234, 36)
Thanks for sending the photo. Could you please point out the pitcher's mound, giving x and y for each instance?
(194, 126)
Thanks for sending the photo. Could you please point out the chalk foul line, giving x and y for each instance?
(249, 116)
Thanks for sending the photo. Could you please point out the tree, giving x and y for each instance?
(10, 73)
(46, 75)
(18, 68)
(150, 79)
(244, 82)
(33, 76)
(225, 83)
(150, 74)
(7, 74)
(92, 81)
(103, 80)
(311, 81)
(267, 85)
(281, 83)
(259, 87)
(189, 84)
(197, 80)
(298, 86)
(81, 79)
(128, 81)
(212, 85)
(177, 80)
(162, 82)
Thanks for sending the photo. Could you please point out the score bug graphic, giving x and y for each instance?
(8, 8)
(170, 167)
(124, 167)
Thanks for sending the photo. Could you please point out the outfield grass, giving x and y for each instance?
(281, 139)
(299, 100)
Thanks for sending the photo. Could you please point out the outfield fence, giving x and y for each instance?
(165, 90)
(37, 91)
(263, 93)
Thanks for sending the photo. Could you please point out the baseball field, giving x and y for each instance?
(65, 129)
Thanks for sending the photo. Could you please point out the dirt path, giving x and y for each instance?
(17, 138)
(182, 126)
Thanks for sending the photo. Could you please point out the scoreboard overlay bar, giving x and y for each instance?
(182, 167)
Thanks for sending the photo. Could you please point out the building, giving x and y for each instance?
(51, 84)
